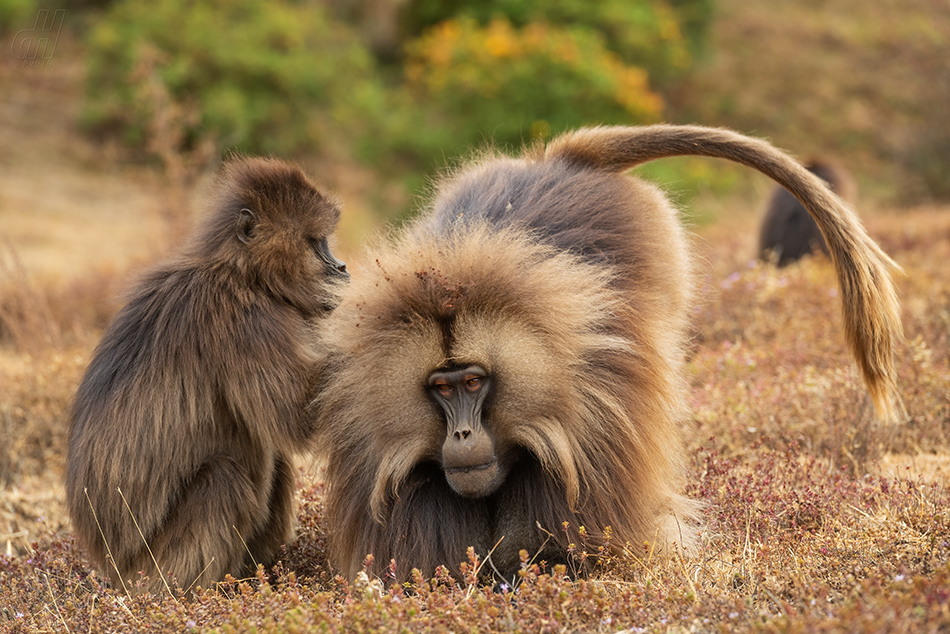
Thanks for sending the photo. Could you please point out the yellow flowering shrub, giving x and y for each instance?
(516, 83)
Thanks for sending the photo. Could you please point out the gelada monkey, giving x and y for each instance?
(513, 359)
(182, 430)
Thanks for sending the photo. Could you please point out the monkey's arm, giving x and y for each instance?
(271, 375)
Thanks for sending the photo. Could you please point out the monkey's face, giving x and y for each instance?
(328, 267)
(447, 356)
(272, 224)
(291, 253)
(470, 458)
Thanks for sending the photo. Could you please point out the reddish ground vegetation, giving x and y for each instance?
(818, 518)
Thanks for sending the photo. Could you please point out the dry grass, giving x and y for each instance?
(818, 519)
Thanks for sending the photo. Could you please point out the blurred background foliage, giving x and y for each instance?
(276, 76)
(658, 36)
(262, 76)
(402, 87)
(518, 84)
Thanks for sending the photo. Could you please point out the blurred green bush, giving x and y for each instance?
(16, 15)
(661, 36)
(261, 75)
(292, 76)
(472, 83)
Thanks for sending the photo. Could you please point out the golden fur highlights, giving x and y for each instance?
(566, 285)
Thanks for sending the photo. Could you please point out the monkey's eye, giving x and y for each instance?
(444, 389)
(472, 383)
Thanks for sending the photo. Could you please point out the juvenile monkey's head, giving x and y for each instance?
(274, 225)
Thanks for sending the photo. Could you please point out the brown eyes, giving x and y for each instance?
(471, 384)
(444, 389)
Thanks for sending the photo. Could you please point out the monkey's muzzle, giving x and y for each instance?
(474, 481)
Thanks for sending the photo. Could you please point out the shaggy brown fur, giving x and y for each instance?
(569, 283)
(194, 400)
(788, 232)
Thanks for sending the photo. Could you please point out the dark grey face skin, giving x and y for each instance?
(469, 456)
(334, 267)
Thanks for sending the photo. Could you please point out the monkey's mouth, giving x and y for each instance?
(479, 467)
(475, 481)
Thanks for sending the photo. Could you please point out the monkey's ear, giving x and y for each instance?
(245, 225)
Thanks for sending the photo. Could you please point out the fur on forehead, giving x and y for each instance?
(431, 280)
(275, 190)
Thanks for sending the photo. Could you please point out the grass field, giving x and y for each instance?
(819, 520)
